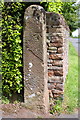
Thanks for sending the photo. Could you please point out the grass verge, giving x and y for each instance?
(71, 84)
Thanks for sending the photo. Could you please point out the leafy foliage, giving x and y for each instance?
(12, 46)
(54, 7)
(68, 10)
(57, 107)
(12, 49)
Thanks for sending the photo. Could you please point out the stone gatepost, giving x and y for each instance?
(35, 59)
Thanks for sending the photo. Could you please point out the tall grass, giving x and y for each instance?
(71, 84)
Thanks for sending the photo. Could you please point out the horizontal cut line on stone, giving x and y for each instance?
(55, 26)
(56, 67)
(52, 26)
(56, 38)
(51, 51)
(55, 44)
(53, 60)
(54, 64)
(54, 52)
(56, 56)
(56, 59)
(55, 77)
(56, 82)
(52, 81)
(48, 34)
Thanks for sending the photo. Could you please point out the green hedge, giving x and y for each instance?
(12, 14)
(12, 46)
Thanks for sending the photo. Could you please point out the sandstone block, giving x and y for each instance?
(52, 51)
(52, 29)
(55, 44)
(59, 87)
(50, 73)
(58, 96)
(57, 63)
(55, 26)
(57, 91)
(55, 79)
(60, 50)
(55, 68)
(52, 48)
(49, 65)
(58, 73)
(49, 61)
(56, 56)
(51, 86)
(55, 19)
(54, 38)
(50, 94)
(35, 59)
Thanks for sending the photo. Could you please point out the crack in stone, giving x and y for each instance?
(34, 54)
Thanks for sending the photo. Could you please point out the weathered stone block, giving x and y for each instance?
(55, 19)
(59, 86)
(58, 72)
(50, 73)
(35, 59)
(55, 44)
(55, 37)
(49, 65)
(55, 79)
(58, 96)
(51, 29)
(60, 50)
(57, 91)
(52, 51)
(55, 68)
(50, 94)
(52, 48)
(55, 62)
(56, 56)
(51, 86)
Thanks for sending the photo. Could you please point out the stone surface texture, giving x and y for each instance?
(57, 33)
(35, 59)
